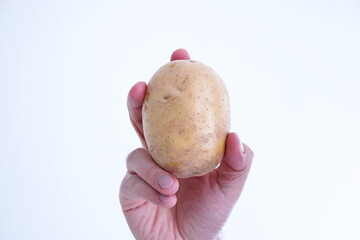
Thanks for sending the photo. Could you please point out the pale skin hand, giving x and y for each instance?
(191, 208)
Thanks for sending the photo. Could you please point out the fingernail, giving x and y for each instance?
(164, 198)
(165, 181)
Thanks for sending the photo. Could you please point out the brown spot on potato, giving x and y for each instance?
(174, 164)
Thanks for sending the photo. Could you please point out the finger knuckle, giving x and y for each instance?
(133, 185)
(127, 183)
(134, 155)
(136, 152)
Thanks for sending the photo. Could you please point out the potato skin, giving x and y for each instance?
(186, 118)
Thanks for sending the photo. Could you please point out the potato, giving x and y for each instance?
(186, 118)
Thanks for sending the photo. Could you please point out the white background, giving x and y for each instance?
(292, 69)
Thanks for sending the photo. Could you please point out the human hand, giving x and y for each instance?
(159, 206)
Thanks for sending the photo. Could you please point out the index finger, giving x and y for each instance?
(134, 102)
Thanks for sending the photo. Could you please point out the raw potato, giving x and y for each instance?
(186, 118)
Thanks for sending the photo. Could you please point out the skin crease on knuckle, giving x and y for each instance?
(127, 185)
(136, 153)
(145, 185)
(132, 187)
(149, 175)
(152, 174)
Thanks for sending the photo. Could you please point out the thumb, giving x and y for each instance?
(235, 166)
